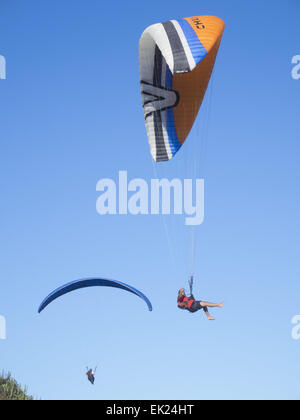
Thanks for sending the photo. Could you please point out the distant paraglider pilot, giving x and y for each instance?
(91, 375)
(192, 305)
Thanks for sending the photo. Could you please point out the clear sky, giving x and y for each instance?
(70, 115)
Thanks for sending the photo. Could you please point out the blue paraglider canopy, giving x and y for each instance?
(91, 282)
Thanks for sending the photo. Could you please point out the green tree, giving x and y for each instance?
(11, 390)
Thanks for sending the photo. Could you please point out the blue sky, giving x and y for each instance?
(71, 115)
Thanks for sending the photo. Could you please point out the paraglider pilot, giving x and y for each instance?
(192, 305)
(91, 375)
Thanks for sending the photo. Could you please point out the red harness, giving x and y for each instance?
(185, 302)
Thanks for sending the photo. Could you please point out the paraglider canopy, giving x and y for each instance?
(176, 61)
(91, 282)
